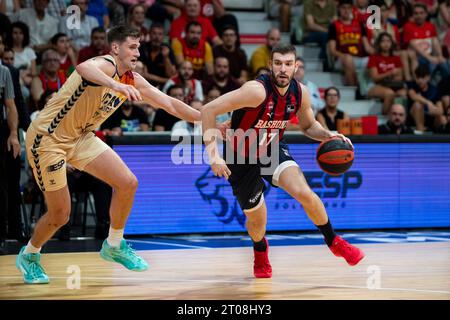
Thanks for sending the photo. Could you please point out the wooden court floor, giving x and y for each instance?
(389, 271)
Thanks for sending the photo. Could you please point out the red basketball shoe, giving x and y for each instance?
(342, 248)
(261, 266)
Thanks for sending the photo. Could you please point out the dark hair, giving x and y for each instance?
(229, 27)
(56, 37)
(421, 5)
(120, 33)
(378, 42)
(283, 48)
(300, 59)
(190, 24)
(43, 97)
(26, 34)
(131, 9)
(332, 88)
(379, 3)
(422, 71)
(343, 2)
(8, 49)
(97, 30)
(173, 87)
(156, 25)
(221, 57)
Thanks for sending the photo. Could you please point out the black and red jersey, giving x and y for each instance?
(269, 120)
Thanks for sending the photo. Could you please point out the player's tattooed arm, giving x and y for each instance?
(158, 99)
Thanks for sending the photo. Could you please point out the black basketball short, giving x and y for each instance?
(247, 179)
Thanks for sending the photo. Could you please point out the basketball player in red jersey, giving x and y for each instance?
(267, 104)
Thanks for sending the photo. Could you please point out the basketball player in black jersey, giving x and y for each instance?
(266, 105)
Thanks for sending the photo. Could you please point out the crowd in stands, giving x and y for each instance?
(191, 49)
(195, 46)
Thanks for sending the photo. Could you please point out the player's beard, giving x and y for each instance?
(278, 84)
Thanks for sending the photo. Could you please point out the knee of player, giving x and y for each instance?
(305, 197)
(60, 218)
(130, 183)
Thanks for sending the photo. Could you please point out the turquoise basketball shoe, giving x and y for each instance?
(124, 255)
(30, 266)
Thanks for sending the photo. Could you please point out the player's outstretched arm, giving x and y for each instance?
(100, 71)
(250, 95)
(309, 125)
(159, 99)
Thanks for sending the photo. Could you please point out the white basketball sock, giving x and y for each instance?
(115, 237)
(31, 249)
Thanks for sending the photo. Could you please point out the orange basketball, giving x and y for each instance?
(335, 156)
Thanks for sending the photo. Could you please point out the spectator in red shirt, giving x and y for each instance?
(423, 46)
(360, 11)
(192, 88)
(345, 43)
(194, 49)
(385, 70)
(98, 45)
(50, 77)
(430, 5)
(215, 12)
(67, 58)
(192, 13)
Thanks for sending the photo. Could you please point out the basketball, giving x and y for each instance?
(335, 156)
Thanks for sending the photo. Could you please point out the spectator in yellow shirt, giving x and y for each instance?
(260, 58)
